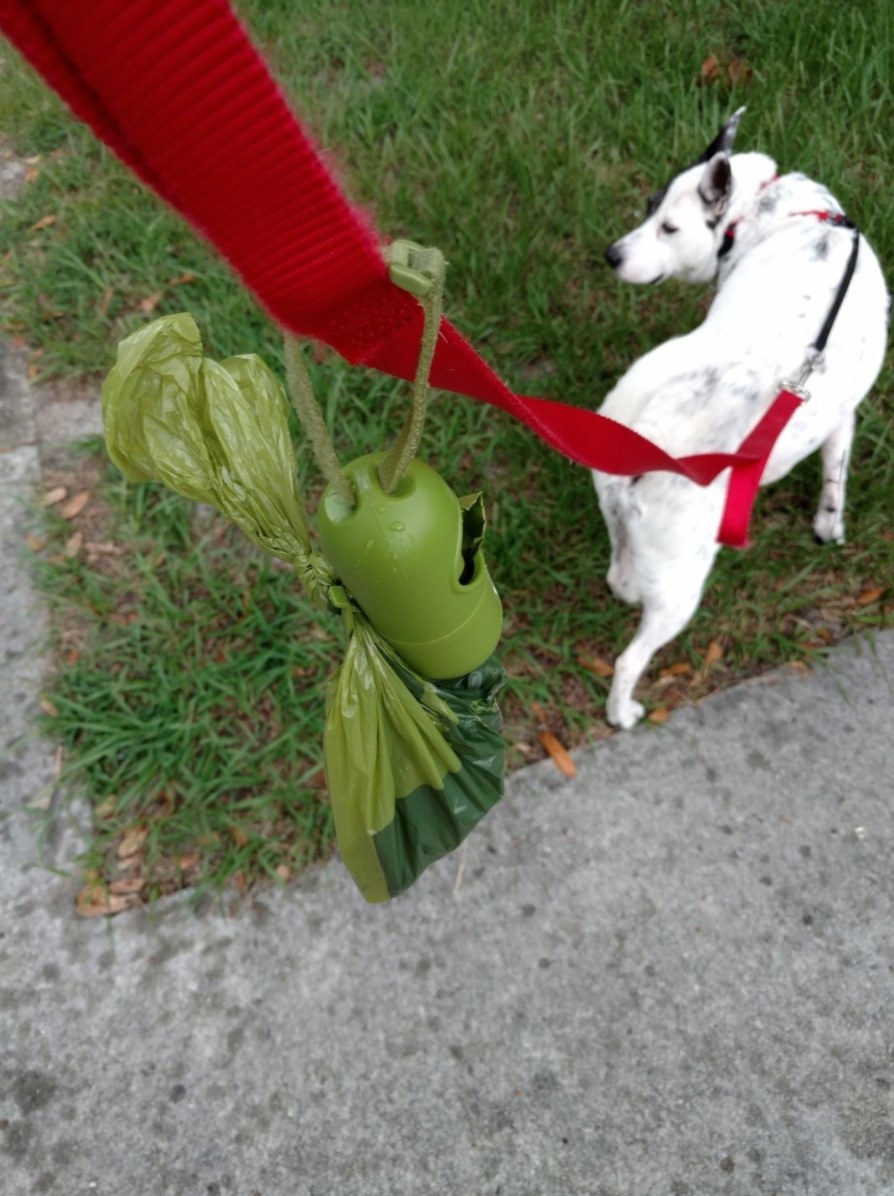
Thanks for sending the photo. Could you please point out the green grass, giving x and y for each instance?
(520, 139)
(188, 690)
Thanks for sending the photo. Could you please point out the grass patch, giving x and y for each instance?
(187, 691)
(520, 139)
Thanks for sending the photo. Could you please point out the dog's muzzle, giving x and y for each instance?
(614, 256)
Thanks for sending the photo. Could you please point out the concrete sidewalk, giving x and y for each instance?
(669, 977)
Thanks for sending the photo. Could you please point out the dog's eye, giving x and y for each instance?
(670, 229)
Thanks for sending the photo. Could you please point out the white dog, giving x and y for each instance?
(781, 259)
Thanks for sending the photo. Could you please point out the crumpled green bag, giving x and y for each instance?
(411, 765)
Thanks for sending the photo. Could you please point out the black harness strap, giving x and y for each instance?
(842, 221)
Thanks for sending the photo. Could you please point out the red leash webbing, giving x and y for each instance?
(745, 480)
(176, 89)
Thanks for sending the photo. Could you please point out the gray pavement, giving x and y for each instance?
(671, 976)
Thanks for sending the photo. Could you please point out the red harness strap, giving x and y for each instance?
(179, 93)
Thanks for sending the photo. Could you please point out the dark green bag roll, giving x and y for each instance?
(412, 765)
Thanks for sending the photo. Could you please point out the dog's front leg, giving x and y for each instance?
(836, 451)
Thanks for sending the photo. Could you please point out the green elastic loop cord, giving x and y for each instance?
(421, 272)
(311, 417)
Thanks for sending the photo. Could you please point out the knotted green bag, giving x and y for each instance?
(412, 764)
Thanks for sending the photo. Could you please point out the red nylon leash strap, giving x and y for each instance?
(745, 480)
(176, 89)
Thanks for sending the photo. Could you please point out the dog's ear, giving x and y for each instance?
(715, 185)
(723, 142)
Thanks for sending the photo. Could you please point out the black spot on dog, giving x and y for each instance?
(768, 204)
(653, 203)
(708, 379)
(821, 249)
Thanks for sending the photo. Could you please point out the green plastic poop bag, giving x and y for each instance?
(412, 764)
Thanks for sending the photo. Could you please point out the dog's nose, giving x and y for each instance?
(614, 256)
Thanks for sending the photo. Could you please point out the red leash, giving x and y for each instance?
(176, 89)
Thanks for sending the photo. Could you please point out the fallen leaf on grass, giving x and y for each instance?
(283, 871)
(75, 505)
(96, 550)
(557, 753)
(659, 715)
(238, 835)
(47, 707)
(713, 653)
(148, 305)
(182, 279)
(871, 595)
(53, 496)
(595, 664)
(35, 543)
(94, 900)
(73, 545)
(132, 841)
(710, 69)
(739, 72)
(125, 617)
(44, 222)
(126, 885)
(679, 669)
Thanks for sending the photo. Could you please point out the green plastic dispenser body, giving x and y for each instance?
(412, 560)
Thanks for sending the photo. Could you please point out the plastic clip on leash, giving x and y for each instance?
(798, 386)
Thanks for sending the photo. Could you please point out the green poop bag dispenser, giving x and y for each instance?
(412, 560)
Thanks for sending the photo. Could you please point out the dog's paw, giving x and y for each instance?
(624, 713)
(828, 527)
